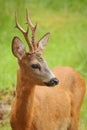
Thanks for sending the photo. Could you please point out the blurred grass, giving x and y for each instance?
(67, 22)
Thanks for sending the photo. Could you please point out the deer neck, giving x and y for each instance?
(24, 98)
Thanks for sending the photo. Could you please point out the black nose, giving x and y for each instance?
(52, 82)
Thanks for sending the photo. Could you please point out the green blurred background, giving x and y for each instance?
(66, 20)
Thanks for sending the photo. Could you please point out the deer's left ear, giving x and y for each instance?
(42, 42)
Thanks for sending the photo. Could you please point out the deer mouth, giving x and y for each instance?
(52, 82)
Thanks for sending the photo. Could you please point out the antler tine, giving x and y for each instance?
(29, 21)
(25, 33)
(33, 28)
(18, 26)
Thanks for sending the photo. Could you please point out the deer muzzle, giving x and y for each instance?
(52, 82)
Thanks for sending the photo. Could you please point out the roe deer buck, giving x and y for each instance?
(36, 106)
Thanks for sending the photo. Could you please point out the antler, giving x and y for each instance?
(32, 45)
(33, 28)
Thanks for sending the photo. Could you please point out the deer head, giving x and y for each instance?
(31, 63)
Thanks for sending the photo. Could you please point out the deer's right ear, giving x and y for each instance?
(18, 48)
(42, 42)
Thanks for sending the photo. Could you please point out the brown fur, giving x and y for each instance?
(43, 108)
(74, 85)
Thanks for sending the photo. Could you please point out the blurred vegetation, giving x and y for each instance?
(66, 20)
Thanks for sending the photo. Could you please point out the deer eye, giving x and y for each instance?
(35, 66)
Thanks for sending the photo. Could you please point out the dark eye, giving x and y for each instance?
(35, 66)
